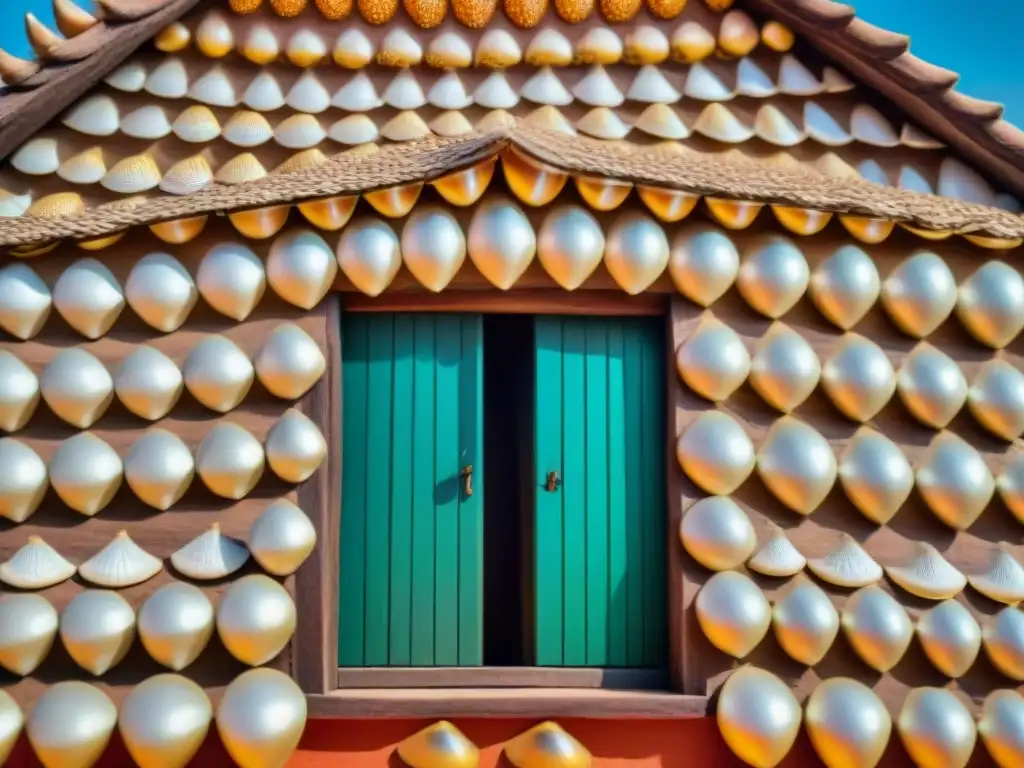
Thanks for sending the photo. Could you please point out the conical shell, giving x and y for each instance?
(804, 621)
(308, 95)
(305, 48)
(121, 563)
(247, 129)
(449, 50)
(1002, 581)
(928, 574)
(954, 481)
(255, 619)
(1003, 640)
(751, 80)
(990, 304)
(950, 637)
(179, 231)
(440, 744)
(501, 242)
(545, 88)
(230, 461)
(733, 613)
(847, 723)
(920, 294)
(433, 247)
(23, 482)
(25, 301)
(36, 565)
(164, 721)
(210, 556)
(301, 267)
(86, 167)
(70, 725)
(713, 361)
(187, 176)
(146, 122)
(175, 624)
(546, 744)
(875, 475)
(773, 277)
(716, 453)
(405, 126)
(718, 122)
(148, 383)
(231, 280)
(846, 565)
(935, 726)
(784, 369)
(996, 398)
(797, 464)
(931, 385)
(218, 373)
(85, 472)
(97, 628)
(214, 88)
(37, 157)
(128, 77)
(261, 717)
(636, 252)
(95, 115)
(197, 125)
(28, 626)
(531, 182)
(260, 223)
(777, 556)
(329, 213)
(132, 175)
(877, 627)
(263, 94)
(161, 291)
(603, 123)
(859, 378)
(281, 538)
(758, 716)
(88, 297)
(845, 286)
(466, 187)
(295, 447)
(159, 468)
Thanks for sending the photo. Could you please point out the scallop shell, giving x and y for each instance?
(164, 721)
(264, 93)
(281, 538)
(210, 556)
(858, 378)
(86, 167)
(255, 619)
(175, 624)
(121, 563)
(928, 574)
(1003, 640)
(295, 448)
(97, 628)
(25, 301)
(777, 556)
(935, 727)
(784, 369)
(797, 464)
(231, 279)
(161, 291)
(70, 725)
(875, 475)
(299, 132)
(804, 621)
(88, 297)
(713, 361)
(931, 385)
(716, 453)
(261, 717)
(28, 626)
(846, 565)
(240, 169)
(758, 716)
(950, 637)
(37, 157)
(247, 129)
(717, 533)
(76, 387)
(214, 88)
(230, 461)
(996, 398)
(954, 481)
(36, 565)
(85, 472)
(877, 627)
(733, 613)
(95, 115)
(159, 468)
(1003, 581)
(148, 383)
(218, 373)
(920, 294)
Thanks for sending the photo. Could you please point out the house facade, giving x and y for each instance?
(446, 385)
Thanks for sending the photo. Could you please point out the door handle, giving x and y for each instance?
(553, 482)
(467, 477)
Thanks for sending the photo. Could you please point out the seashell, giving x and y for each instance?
(911, 179)
(570, 245)
(717, 533)
(660, 120)
(132, 175)
(869, 127)
(148, 383)
(954, 481)
(231, 280)
(753, 81)
(692, 42)
(990, 304)
(801, 221)
(497, 120)
(497, 49)
(97, 629)
(732, 613)
(28, 626)
(636, 252)
(784, 369)
(263, 94)
(260, 223)
(88, 297)
(717, 122)
(447, 51)
(738, 34)
(240, 169)
(301, 267)
(546, 744)
(775, 127)
(928, 574)
(175, 623)
(1003, 581)
(651, 87)
(169, 80)
(1003, 639)
(531, 182)
(129, 77)
(23, 484)
(19, 395)
(308, 94)
(501, 242)
(214, 88)
(179, 231)
(597, 89)
(394, 202)
(70, 725)
(448, 92)
(353, 49)
(875, 475)
(281, 538)
(442, 744)
(544, 87)
(713, 361)
(305, 48)
(255, 619)
(603, 123)
(295, 448)
(72, 20)
(1011, 484)
(847, 723)
(85, 472)
(121, 563)
(25, 301)
(823, 127)
(936, 728)
(369, 255)
(858, 378)
(230, 461)
(214, 37)
(950, 637)
(996, 398)
(758, 716)
(794, 79)
(164, 721)
(835, 81)
(960, 182)
(76, 387)
(36, 565)
(777, 557)
(260, 45)
(845, 286)
(877, 627)
(805, 622)
(329, 213)
(703, 265)
(159, 468)
(1001, 726)
(797, 464)
(210, 556)
(37, 157)
(846, 565)
(95, 115)
(549, 119)
(161, 291)
(405, 126)
(399, 49)
(920, 294)
(669, 206)
(494, 92)
(290, 362)
(299, 132)
(703, 84)
(773, 277)
(466, 187)
(549, 48)
(716, 453)
(931, 386)
(260, 718)
(599, 45)
(217, 373)
(867, 230)
(196, 124)
(404, 92)
(86, 167)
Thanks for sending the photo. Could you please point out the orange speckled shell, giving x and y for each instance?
(718, 5)
(474, 14)
(573, 11)
(377, 11)
(334, 10)
(426, 13)
(525, 13)
(666, 9)
(288, 8)
(619, 10)
(245, 6)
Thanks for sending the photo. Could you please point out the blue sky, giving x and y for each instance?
(980, 39)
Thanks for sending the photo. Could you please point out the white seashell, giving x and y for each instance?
(599, 45)
(353, 130)
(867, 125)
(494, 92)
(399, 49)
(777, 556)
(196, 125)
(990, 304)
(213, 35)
(1003, 639)
(95, 115)
(597, 89)
(715, 453)
(231, 279)
(308, 94)
(28, 627)
(299, 132)
(37, 157)
(97, 629)
(1011, 484)
(784, 370)
(148, 383)
(230, 461)
(772, 125)
(703, 84)
(931, 385)
(281, 538)
(290, 362)
(603, 123)
(305, 48)
(920, 293)
(823, 128)
(19, 397)
(209, 556)
(301, 267)
(255, 619)
(130, 77)
(958, 181)
(14, 205)
(88, 297)
(910, 178)
(214, 88)
(159, 468)
(261, 45)
(875, 475)
(650, 87)
(164, 721)
(294, 447)
(996, 398)
(161, 291)
(352, 49)
(404, 92)
(147, 122)
(451, 124)
(751, 80)
(248, 129)
(169, 80)
(498, 49)
(549, 48)
(662, 121)
(77, 387)
(85, 472)
(717, 122)
(36, 565)
(950, 637)
(954, 481)
(1003, 581)
(795, 79)
(132, 175)
(713, 361)
(448, 92)
(858, 378)
(121, 563)
(545, 88)
(187, 176)
(797, 464)
(264, 93)
(717, 533)
(449, 50)
(550, 119)
(357, 95)
(70, 725)
(805, 621)
(877, 627)
(218, 373)
(928, 574)
(846, 565)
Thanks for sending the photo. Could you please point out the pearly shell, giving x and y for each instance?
(164, 721)
(846, 565)
(308, 94)
(1001, 727)
(290, 362)
(1003, 581)
(717, 533)
(920, 294)
(209, 556)
(570, 245)
(732, 613)
(260, 718)
(928, 574)
(990, 304)
(703, 265)
(77, 387)
(36, 565)
(121, 563)
(97, 628)
(301, 267)
(954, 481)
(804, 621)
(433, 247)
(713, 361)
(281, 538)
(148, 383)
(214, 88)
(1003, 640)
(88, 297)
(501, 242)
(758, 716)
(217, 373)
(294, 447)
(263, 94)
(161, 291)
(95, 115)
(85, 472)
(255, 619)
(877, 627)
(996, 398)
(777, 556)
(23, 482)
(12, 721)
(636, 252)
(784, 369)
(146, 122)
(369, 255)
(848, 724)
(931, 385)
(70, 725)
(858, 378)
(37, 157)
(175, 623)
(716, 453)
(950, 637)
(773, 277)
(231, 280)
(25, 301)
(875, 475)
(797, 464)
(28, 626)
(845, 286)
(546, 744)
(936, 728)
(1011, 484)
(442, 744)
(230, 461)
(159, 468)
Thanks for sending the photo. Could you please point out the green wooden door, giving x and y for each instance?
(600, 537)
(411, 550)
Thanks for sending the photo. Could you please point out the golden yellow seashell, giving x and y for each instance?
(1001, 726)
(758, 716)
(801, 221)
(532, 183)
(867, 230)
(547, 745)
(70, 725)
(692, 42)
(877, 627)
(329, 213)
(737, 34)
(255, 619)
(733, 214)
(804, 621)
(936, 728)
(164, 721)
(261, 717)
(466, 187)
(396, 201)
(716, 453)
(260, 223)
(777, 36)
(733, 613)
(179, 231)
(950, 637)
(501, 242)
(440, 745)
(848, 724)
(99, 243)
(667, 204)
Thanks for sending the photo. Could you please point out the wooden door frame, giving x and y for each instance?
(314, 648)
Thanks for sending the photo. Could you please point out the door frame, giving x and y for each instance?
(314, 647)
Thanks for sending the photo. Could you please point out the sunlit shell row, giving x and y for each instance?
(86, 473)
(799, 467)
(849, 726)
(162, 722)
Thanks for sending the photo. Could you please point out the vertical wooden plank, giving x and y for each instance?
(402, 449)
(448, 346)
(597, 492)
(633, 439)
(573, 493)
(471, 508)
(548, 507)
(653, 420)
(423, 491)
(618, 563)
(352, 542)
